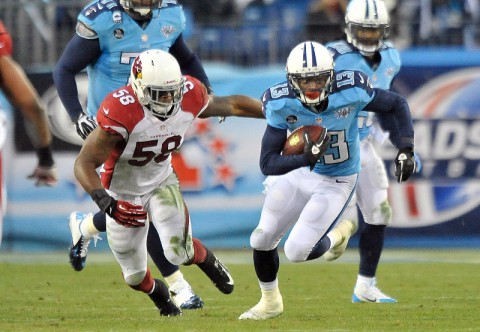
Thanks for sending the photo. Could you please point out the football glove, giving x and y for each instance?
(124, 213)
(44, 176)
(404, 164)
(85, 125)
(314, 150)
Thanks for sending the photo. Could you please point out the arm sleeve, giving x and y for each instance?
(394, 116)
(189, 62)
(271, 161)
(72, 62)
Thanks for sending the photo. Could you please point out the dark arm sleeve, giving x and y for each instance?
(394, 116)
(189, 62)
(78, 54)
(271, 161)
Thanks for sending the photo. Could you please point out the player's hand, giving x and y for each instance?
(128, 214)
(314, 150)
(124, 213)
(404, 164)
(85, 125)
(44, 176)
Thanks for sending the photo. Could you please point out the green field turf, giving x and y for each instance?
(436, 290)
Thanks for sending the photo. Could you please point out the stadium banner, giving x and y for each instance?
(220, 176)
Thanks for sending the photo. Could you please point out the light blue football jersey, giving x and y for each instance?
(346, 57)
(350, 93)
(122, 39)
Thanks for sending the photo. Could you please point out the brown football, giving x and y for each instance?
(295, 142)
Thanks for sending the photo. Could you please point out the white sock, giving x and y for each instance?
(268, 286)
(364, 280)
(87, 228)
(174, 277)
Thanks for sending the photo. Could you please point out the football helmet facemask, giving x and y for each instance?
(310, 72)
(157, 82)
(140, 8)
(367, 25)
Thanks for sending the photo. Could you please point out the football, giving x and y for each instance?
(295, 142)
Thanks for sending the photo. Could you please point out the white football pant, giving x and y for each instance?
(308, 202)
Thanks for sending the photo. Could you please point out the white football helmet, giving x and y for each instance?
(158, 82)
(310, 60)
(140, 8)
(370, 19)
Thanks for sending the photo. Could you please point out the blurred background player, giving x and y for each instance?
(140, 125)
(20, 92)
(367, 49)
(109, 35)
(315, 187)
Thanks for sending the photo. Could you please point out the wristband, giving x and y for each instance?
(103, 199)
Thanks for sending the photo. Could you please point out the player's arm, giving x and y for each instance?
(235, 105)
(271, 160)
(189, 62)
(21, 93)
(389, 103)
(78, 54)
(95, 151)
(97, 148)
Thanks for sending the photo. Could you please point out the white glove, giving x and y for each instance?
(85, 125)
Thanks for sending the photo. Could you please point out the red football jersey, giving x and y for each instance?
(143, 161)
(6, 47)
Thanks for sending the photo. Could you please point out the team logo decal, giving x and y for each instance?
(118, 33)
(318, 120)
(137, 68)
(343, 112)
(167, 30)
(291, 119)
(144, 38)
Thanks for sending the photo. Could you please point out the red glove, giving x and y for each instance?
(128, 214)
(124, 213)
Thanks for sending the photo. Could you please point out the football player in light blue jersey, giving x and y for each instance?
(366, 49)
(312, 190)
(109, 35)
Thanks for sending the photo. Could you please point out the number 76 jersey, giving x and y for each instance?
(142, 161)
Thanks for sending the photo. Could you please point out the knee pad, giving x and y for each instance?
(134, 279)
(262, 240)
(295, 252)
(382, 215)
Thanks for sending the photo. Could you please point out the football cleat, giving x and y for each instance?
(184, 297)
(169, 309)
(164, 303)
(79, 247)
(370, 293)
(217, 272)
(343, 231)
(265, 309)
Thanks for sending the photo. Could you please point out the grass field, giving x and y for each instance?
(436, 290)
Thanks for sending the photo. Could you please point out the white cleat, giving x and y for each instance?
(264, 310)
(184, 297)
(370, 293)
(343, 231)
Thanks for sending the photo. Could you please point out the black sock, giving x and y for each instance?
(371, 246)
(100, 221)
(266, 264)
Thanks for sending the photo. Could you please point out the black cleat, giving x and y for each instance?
(161, 297)
(217, 272)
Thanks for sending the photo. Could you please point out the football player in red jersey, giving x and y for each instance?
(140, 125)
(21, 93)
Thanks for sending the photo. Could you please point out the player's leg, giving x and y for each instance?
(179, 288)
(170, 216)
(283, 204)
(374, 206)
(316, 231)
(129, 248)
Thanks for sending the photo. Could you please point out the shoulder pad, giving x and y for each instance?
(85, 31)
(169, 3)
(100, 6)
(339, 47)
